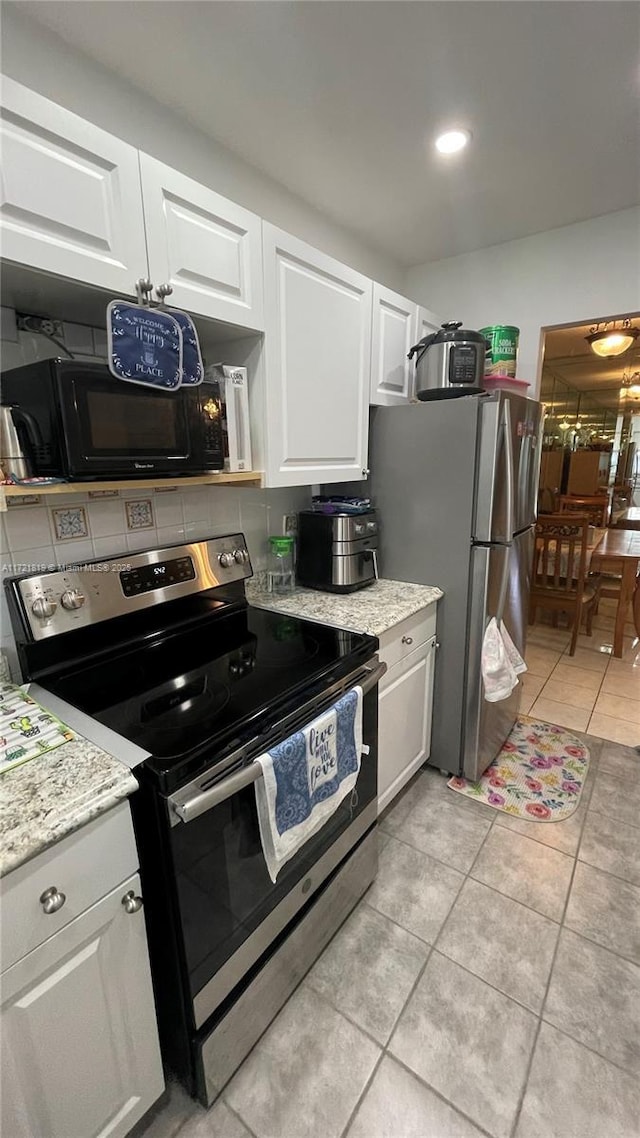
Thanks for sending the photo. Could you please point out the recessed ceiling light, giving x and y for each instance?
(452, 141)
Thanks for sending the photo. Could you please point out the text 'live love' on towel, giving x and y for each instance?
(306, 777)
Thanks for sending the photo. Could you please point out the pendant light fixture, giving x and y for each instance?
(630, 390)
(615, 338)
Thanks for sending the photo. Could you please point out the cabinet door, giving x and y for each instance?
(404, 721)
(428, 322)
(71, 200)
(395, 324)
(80, 1054)
(318, 359)
(206, 247)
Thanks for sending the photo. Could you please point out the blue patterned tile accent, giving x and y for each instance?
(139, 514)
(70, 523)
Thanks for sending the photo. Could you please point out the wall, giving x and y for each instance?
(33, 55)
(574, 274)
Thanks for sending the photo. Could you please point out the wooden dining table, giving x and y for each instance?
(618, 551)
(629, 518)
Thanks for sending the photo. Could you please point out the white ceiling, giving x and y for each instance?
(340, 102)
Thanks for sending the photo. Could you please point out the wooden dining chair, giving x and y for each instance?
(559, 579)
(547, 501)
(595, 506)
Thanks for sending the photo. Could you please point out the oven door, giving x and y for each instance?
(113, 428)
(230, 911)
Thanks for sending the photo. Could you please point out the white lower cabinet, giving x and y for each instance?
(80, 1052)
(405, 706)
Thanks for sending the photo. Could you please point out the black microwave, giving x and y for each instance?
(79, 422)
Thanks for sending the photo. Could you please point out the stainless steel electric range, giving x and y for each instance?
(158, 658)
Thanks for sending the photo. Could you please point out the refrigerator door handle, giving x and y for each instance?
(504, 583)
(509, 467)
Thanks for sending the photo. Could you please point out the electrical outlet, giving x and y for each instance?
(40, 324)
(290, 525)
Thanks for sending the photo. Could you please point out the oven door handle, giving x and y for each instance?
(200, 803)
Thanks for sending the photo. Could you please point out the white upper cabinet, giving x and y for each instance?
(318, 357)
(206, 247)
(428, 322)
(71, 202)
(394, 331)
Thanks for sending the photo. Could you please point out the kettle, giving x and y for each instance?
(12, 458)
(449, 362)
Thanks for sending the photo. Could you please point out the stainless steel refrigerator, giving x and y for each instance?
(455, 482)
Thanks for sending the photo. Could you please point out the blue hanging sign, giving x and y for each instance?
(192, 366)
(145, 345)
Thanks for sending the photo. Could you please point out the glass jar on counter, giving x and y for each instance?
(281, 567)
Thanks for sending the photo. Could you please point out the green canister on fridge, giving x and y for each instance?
(503, 349)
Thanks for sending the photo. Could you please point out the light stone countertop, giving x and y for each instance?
(374, 609)
(51, 796)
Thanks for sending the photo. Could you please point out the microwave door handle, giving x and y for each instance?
(200, 803)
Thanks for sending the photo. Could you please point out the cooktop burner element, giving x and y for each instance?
(182, 693)
(288, 646)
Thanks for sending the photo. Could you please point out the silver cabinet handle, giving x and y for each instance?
(132, 904)
(52, 900)
(407, 639)
(143, 288)
(162, 292)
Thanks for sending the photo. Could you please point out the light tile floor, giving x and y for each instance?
(487, 984)
(591, 691)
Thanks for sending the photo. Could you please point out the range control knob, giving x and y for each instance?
(241, 556)
(226, 559)
(43, 608)
(72, 599)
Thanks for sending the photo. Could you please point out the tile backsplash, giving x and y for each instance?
(69, 528)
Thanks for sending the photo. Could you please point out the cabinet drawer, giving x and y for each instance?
(83, 867)
(400, 641)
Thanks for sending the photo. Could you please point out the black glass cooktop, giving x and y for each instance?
(178, 696)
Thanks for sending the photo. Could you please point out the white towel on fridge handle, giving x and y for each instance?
(517, 662)
(498, 673)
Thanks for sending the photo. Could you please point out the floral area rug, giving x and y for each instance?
(538, 775)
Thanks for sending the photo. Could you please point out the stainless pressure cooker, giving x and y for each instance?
(449, 362)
